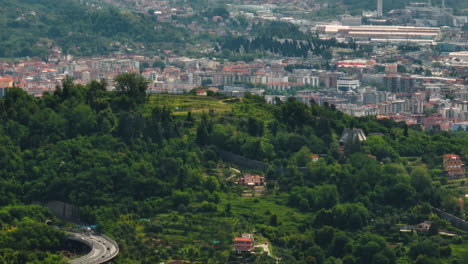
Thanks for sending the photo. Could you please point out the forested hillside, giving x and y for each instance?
(31, 27)
(25, 237)
(148, 173)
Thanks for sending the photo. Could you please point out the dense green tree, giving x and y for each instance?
(424, 247)
(351, 216)
(133, 87)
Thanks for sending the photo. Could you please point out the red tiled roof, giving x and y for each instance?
(382, 117)
(284, 84)
(6, 79)
(243, 239)
(232, 69)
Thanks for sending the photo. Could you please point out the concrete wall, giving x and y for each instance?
(457, 222)
(246, 163)
(242, 161)
(64, 210)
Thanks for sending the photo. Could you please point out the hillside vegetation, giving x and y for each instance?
(356, 6)
(148, 173)
(31, 27)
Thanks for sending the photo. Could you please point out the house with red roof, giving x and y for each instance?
(314, 157)
(6, 82)
(201, 92)
(245, 243)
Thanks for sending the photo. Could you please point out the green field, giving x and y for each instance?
(182, 104)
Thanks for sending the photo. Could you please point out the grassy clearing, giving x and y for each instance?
(260, 209)
(182, 104)
(459, 252)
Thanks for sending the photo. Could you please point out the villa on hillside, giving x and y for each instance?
(251, 180)
(245, 243)
(453, 165)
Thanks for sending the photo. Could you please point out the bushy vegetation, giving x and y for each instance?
(25, 237)
(281, 39)
(153, 180)
(356, 6)
(31, 27)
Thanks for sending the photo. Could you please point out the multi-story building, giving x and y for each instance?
(406, 84)
(245, 243)
(251, 180)
(310, 80)
(5, 84)
(348, 84)
(463, 126)
(374, 97)
(282, 86)
(453, 165)
(398, 106)
(358, 110)
(391, 83)
(416, 103)
(391, 69)
(329, 79)
(462, 95)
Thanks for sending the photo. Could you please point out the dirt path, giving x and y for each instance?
(265, 248)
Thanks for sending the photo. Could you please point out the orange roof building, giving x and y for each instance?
(6, 82)
(244, 243)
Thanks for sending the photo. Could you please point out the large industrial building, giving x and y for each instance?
(381, 34)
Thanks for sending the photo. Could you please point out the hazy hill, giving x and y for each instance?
(355, 5)
(31, 27)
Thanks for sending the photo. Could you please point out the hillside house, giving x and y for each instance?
(251, 180)
(201, 93)
(314, 157)
(453, 165)
(245, 243)
(423, 227)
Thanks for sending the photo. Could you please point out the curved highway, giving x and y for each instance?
(103, 248)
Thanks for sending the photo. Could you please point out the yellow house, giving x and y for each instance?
(6, 82)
